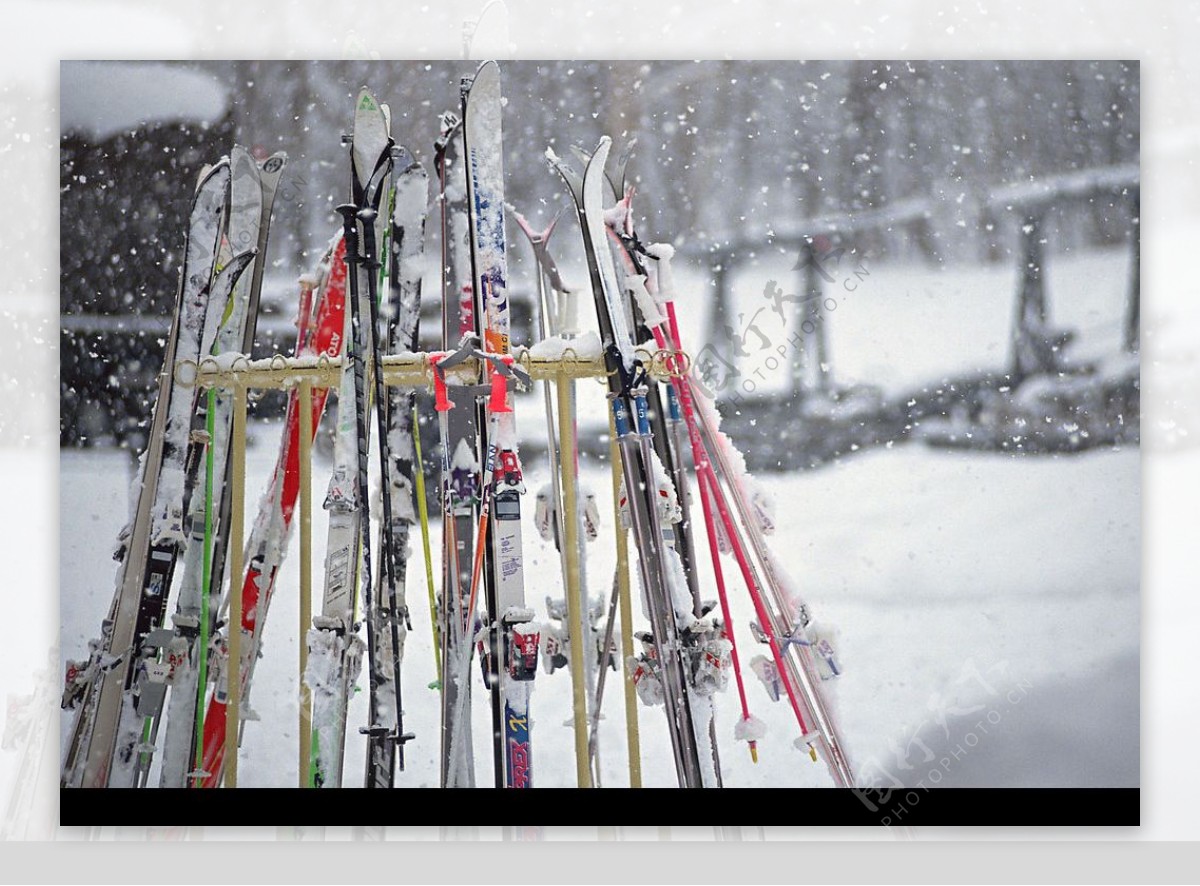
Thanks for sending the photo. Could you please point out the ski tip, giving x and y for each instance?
(209, 171)
(599, 157)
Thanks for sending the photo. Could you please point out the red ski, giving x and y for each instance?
(321, 327)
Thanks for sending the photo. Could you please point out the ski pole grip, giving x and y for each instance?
(441, 399)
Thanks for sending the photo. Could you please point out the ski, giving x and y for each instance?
(383, 609)
(269, 175)
(459, 462)
(559, 320)
(406, 220)
(512, 637)
(709, 649)
(407, 243)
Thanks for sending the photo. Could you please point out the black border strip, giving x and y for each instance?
(572, 807)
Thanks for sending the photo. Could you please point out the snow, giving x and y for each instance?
(750, 729)
(617, 217)
(464, 458)
(1081, 183)
(665, 253)
(932, 563)
(586, 346)
(905, 326)
(505, 436)
(636, 284)
(101, 99)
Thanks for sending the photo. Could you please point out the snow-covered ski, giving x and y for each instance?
(107, 747)
(187, 652)
(460, 463)
(410, 196)
(513, 637)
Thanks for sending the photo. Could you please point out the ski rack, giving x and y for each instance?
(239, 374)
(407, 370)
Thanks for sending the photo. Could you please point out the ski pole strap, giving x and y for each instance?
(447, 122)
(369, 195)
(638, 379)
(634, 245)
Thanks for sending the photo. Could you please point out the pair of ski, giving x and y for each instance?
(481, 508)
(121, 691)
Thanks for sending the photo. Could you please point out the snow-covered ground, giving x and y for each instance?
(956, 581)
(966, 588)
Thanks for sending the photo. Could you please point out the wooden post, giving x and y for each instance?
(807, 358)
(305, 453)
(820, 337)
(1133, 312)
(1031, 350)
(569, 521)
(719, 318)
